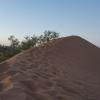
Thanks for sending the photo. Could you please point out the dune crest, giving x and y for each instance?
(65, 69)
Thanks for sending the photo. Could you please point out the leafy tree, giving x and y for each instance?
(29, 42)
(41, 40)
(34, 40)
(14, 41)
(50, 35)
(16, 46)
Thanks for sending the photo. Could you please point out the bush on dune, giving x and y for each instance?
(16, 46)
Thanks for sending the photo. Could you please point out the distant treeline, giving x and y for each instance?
(17, 46)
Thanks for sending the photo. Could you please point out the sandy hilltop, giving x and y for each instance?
(64, 69)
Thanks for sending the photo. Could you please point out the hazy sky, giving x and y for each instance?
(69, 17)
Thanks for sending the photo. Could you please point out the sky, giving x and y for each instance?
(68, 17)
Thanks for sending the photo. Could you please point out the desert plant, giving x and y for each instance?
(14, 41)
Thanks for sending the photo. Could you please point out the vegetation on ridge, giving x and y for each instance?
(16, 46)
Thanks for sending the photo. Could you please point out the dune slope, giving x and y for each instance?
(65, 69)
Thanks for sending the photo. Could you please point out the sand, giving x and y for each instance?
(64, 69)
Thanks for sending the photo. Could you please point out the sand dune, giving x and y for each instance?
(65, 69)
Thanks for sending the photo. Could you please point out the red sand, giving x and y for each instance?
(66, 69)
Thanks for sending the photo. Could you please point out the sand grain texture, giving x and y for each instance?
(65, 69)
